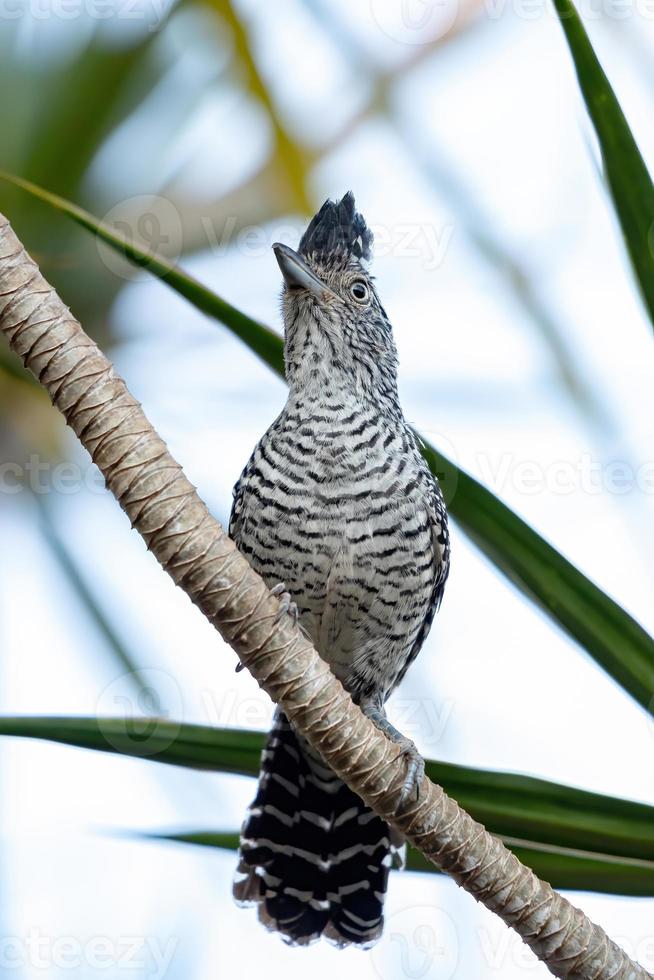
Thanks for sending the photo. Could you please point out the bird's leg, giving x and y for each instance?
(286, 607)
(415, 763)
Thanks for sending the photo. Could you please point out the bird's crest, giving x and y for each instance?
(338, 230)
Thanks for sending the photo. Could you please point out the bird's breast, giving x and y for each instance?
(335, 508)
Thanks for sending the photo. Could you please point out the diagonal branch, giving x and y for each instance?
(196, 552)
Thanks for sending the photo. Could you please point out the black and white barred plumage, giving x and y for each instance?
(337, 503)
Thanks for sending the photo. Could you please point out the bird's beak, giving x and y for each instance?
(297, 274)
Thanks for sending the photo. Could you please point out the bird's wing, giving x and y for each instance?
(238, 494)
(441, 555)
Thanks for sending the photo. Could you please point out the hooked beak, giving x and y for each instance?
(297, 274)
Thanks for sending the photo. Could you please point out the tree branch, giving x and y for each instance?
(196, 552)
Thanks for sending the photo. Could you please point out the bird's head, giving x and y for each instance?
(336, 329)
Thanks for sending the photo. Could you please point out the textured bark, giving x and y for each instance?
(195, 551)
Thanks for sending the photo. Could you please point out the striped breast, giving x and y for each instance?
(339, 505)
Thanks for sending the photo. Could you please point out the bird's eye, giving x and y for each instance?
(359, 290)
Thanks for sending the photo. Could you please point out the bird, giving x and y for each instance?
(339, 513)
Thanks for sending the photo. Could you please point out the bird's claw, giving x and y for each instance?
(286, 605)
(286, 608)
(415, 773)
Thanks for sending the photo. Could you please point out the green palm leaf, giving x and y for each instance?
(608, 633)
(629, 181)
(263, 341)
(563, 868)
(577, 839)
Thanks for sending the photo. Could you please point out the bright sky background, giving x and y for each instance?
(492, 126)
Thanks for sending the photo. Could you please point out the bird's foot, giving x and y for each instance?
(286, 605)
(286, 608)
(415, 772)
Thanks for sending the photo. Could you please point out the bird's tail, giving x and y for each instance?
(313, 858)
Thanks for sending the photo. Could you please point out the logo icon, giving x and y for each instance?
(414, 22)
(149, 224)
(419, 943)
(139, 713)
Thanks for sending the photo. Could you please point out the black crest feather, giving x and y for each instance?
(338, 229)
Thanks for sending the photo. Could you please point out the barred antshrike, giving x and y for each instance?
(338, 504)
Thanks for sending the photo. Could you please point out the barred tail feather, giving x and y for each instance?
(313, 858)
